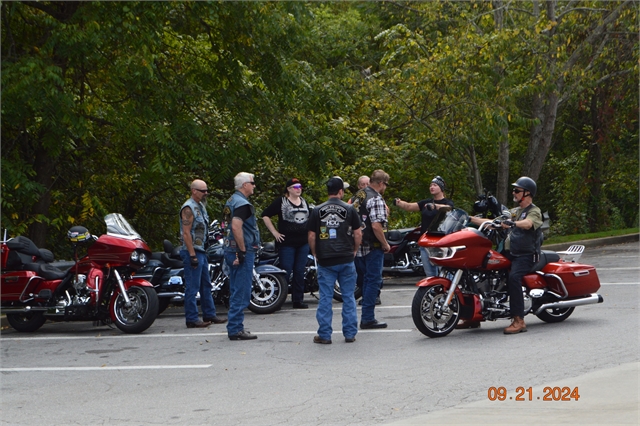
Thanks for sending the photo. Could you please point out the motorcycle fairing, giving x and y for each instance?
(269, 269)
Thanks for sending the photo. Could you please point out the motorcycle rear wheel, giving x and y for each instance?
(270, 295)
(555, 315)
(142, 312)
(427, 314)
(27, 322)
(337, 293)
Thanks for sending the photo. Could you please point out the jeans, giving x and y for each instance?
(430, 269)
(372, 265)
(240, 283)
(520, 266)
(197, 280)
(345, 273)
(295, 259)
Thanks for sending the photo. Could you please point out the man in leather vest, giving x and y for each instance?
(334, 237)
(194, 223)
(370, 258)
(241, 242)
(522, 247)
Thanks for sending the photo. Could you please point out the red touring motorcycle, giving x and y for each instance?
(472, 284)
(98, 287)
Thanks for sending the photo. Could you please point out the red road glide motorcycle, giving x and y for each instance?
(472, 284)
(98, 287)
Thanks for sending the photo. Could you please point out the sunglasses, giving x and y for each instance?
(252, 183)
(517, 191)
(204, 191)
(296, 186)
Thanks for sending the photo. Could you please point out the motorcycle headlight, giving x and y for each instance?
(443, 252)
(135, 256)
(144, 258)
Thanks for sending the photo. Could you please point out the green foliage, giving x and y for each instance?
(117, 106)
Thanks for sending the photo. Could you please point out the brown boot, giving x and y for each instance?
(517, 326)
(464, 324)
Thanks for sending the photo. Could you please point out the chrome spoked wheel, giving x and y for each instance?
(268, 294)
(140, 313)
(430, 314)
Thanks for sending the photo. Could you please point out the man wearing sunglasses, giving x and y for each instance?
(241, 242)
(522, 247)
(194, 222)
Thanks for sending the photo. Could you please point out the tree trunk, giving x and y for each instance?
(44, 167)
(502, 186)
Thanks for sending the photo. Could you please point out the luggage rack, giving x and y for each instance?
(572, 254)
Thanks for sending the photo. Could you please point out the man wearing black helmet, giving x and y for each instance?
(428, 209)
(522, 247)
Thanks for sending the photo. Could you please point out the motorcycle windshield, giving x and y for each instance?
(117, 226)
(447, 222)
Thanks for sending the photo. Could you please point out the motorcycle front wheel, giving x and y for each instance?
(141, 313)
(429, 313)
(269, 294)
(337, 293)
(26, 323)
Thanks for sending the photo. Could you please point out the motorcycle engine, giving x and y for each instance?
(80, 282)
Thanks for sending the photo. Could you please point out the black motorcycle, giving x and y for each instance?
(269, 256)
(166, 272)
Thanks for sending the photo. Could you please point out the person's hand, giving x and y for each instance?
(279, 237)
(397, 201)
(430, 206)
(239, 257)
(509, 223)
(386, 247)
(194, 262)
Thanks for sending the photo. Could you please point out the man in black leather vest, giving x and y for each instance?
(334, 237)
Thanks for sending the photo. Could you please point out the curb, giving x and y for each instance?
(596, 242)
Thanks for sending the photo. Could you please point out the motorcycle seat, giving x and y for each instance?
(546, 256)
(171, 262)
(394, 237)
(45, 270)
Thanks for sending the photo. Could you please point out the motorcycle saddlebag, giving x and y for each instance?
(578, 279)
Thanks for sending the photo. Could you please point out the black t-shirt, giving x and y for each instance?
(292, 220)
(243, 212)
(428, 215)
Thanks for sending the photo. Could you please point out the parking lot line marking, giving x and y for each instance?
(110, 368)
(200, 335)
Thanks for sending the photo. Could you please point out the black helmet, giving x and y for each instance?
(78, 234)
(527, 183)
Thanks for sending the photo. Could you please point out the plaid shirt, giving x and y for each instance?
(377, 209)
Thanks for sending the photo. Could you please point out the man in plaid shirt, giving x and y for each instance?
(370, 258)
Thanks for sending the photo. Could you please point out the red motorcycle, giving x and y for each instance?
(99, 287)
(472, 284)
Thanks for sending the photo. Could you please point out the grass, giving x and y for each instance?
(577, 237)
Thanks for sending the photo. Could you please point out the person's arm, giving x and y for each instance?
(378, 231)
(311, 238)
(187, 223)
(277, 235)
(238, 234)
(410, 207)
(357, 239)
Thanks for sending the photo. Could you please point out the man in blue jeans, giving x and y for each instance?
(334, 236)
(194, 223)
(240, 245)
(370, 257)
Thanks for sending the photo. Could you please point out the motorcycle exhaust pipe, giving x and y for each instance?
(589, 300)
